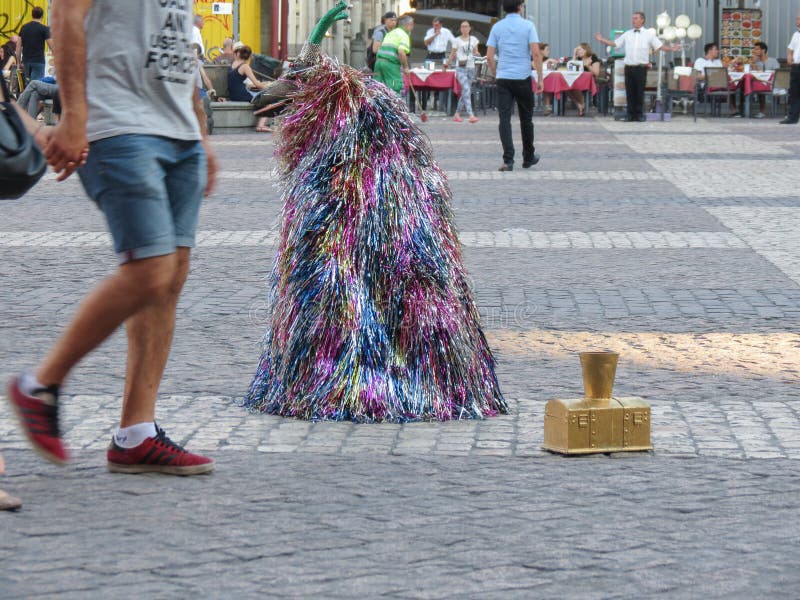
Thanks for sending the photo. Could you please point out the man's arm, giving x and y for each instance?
(537, 64)
(429, 38)
(657, 45)
(451, 59)
(211, 158)
(206, 81)
(490, 59)
(68, 143)
(700, 69)
(790, 57)
(605, 41)
(403, 58)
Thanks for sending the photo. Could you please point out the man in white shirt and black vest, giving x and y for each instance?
(437, 39)
(637, 42)
(794, 86)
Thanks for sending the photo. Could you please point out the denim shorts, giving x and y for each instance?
(149, 189)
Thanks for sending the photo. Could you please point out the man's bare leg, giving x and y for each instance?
(150, 334)
(133, 287)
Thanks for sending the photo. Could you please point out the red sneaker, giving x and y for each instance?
(157, 454)
(38, 416)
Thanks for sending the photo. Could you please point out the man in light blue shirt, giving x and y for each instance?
(515, 41)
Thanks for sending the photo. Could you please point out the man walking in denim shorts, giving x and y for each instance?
(128, 89)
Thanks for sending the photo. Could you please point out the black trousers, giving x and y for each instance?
(794, 94)
(635, 80)
(509, 91)
(435, 56)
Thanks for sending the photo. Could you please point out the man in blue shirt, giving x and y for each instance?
(515, 41)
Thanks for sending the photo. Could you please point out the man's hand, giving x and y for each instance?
(65, 147)
(211, 167)
(540, 86)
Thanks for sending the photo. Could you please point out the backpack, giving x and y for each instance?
(371, 56)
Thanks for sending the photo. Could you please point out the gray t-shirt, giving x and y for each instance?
(771, 64)
(141, 69)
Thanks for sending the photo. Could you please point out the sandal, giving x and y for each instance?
(263, 130)
(473, 119)
(458, 119)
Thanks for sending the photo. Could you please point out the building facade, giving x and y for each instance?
(279, 27)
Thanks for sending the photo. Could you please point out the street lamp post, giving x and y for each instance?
(682, 29)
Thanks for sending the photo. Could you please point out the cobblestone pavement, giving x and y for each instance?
(672, 243)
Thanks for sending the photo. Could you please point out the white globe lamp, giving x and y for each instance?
(682, 21)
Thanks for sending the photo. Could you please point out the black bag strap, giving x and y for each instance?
(4, 87)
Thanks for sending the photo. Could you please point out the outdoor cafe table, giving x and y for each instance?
(423, 79)
(557, 82)
(759, 82)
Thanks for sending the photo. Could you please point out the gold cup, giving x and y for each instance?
(599, 370)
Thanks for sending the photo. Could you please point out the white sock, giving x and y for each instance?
(130, 437)
(29, 384)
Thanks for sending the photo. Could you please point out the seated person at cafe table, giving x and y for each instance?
(548, 64)
(709, 59)
(759, 61)
(591, 63)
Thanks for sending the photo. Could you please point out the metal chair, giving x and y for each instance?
(650, 86)
(682, 87)
(484, 87)
(780, 89)
(717, 88)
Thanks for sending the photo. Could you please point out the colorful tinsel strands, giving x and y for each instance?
(371, 314)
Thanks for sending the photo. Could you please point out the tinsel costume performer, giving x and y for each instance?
(371, 313)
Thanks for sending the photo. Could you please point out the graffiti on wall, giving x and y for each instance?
(13, 16)
(216, 27)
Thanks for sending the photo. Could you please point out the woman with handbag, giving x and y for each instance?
(465, 49)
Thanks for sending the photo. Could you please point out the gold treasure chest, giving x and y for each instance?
(598, 422)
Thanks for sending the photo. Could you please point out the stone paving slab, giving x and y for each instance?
(772, 232)
(616, 240)
(657, 143)
(727, 178)
(509, 238)
(691, 268)
(292, 525)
